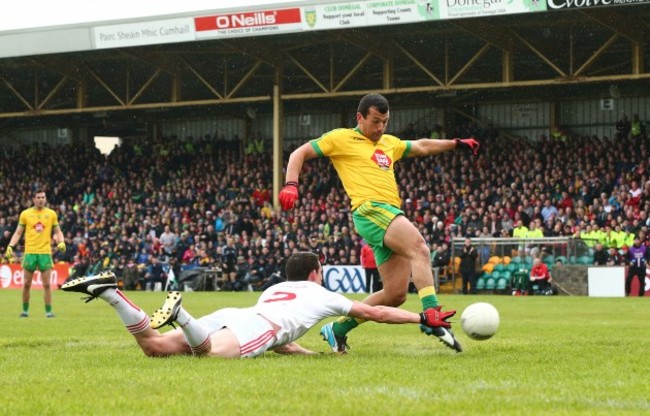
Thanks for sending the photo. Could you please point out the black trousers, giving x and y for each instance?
(373, 280)
(468, 282)
(542, 284)
(639, 272)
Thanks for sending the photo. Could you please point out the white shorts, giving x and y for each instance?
(254, 333)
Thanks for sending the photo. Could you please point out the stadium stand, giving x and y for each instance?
(113, 209)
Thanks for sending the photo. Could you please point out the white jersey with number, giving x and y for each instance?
(297, 306)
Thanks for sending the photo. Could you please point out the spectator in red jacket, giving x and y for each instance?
(540, 276)
(373, 279)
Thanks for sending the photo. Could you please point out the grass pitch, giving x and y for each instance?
(552, 355)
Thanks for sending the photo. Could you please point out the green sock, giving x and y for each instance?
(430, 301)
(48, 308)
(26, 307)
(428, 297)
(343, 326)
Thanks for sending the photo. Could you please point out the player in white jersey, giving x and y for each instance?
(283, 313)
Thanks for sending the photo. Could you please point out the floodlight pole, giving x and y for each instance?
(278, 159)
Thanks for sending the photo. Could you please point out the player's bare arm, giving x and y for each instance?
(58, 235)
(15, 238)
(297, 159)
(383, 314)
(289, 193)
(59, 239)
(426, 147)
(17, 234)
(432, 317)
(292, 348)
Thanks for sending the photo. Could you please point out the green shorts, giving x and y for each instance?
(33, 262)
(371, 220)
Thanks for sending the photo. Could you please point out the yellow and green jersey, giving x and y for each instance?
(38, 226)
(365, 167)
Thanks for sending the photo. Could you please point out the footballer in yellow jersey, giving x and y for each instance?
(356, 159)
(364, 158)
(40, 225)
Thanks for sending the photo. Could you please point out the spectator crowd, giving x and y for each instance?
(182, 202)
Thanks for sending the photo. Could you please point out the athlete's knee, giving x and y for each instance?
(153, 349)
(152, 352)
(152, 344)
(394, 299)
(420, 249)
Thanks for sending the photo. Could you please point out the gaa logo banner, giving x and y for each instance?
(344, 279)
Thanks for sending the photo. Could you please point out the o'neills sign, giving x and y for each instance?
(248, 24)
(230, 21)
(572, 4)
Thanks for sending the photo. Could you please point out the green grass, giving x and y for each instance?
(558, 355)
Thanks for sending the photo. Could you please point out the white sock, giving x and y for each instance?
(133, 317)
(197, 336)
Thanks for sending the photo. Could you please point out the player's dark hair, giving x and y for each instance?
(38, 191)
(300, 264)
(373, 100)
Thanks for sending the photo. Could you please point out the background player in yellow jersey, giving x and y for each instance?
(363, 158)
(40, 225)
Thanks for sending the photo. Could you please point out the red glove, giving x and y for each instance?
(470, 144)
(434, 317)
(288, 195)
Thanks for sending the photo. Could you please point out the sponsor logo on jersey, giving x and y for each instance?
(381, 159)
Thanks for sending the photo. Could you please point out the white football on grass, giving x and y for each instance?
(480, 321)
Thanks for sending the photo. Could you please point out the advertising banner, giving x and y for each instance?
(399, 11)
(610, 282)
(389, 12)
(606, 281)
(583, 4)
(11, 276)
(263, 22)
(458, 9)
(334, 16)
(144, 33)
(345, 14)
(344, 279)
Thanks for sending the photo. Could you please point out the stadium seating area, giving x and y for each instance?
(502, 274)
(113, 209)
